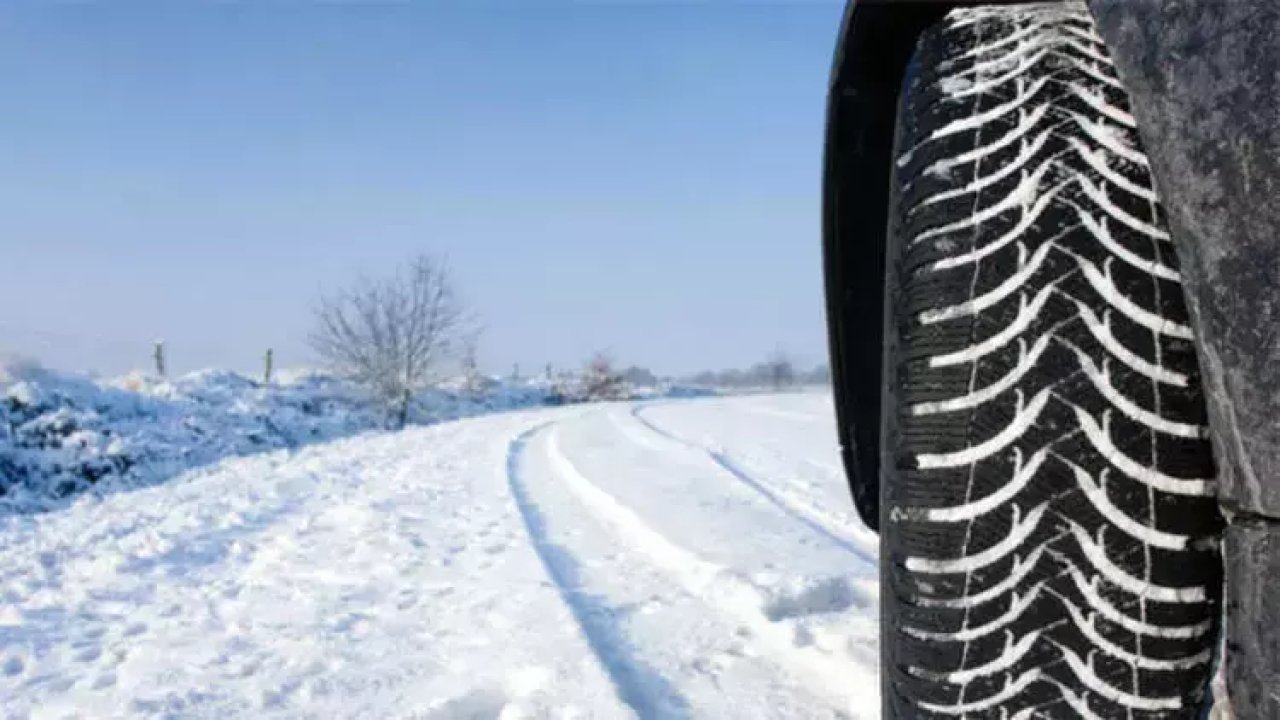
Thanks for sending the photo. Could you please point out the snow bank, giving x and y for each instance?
(61, 434)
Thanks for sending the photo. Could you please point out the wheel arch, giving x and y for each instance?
(874, 46)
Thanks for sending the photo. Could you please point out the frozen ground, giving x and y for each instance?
(672, 559)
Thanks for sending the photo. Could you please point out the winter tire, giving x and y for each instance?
(1047, 510)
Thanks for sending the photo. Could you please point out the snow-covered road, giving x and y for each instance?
(677, 559)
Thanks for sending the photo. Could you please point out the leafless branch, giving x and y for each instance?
(391, 335)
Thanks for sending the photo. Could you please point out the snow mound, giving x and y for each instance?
(63, 435)
(816, 596)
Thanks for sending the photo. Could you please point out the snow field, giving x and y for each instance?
(683, 559)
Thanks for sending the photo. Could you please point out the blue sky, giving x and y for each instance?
(638, 177)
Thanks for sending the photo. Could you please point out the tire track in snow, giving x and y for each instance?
(637, 685)
(720, 588)
(788, 507)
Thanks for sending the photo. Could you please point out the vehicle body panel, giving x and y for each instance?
(1205, 78)
(1205, 81)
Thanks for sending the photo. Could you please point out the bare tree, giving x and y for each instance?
(781, 371)
(390, 335)
(600, 381)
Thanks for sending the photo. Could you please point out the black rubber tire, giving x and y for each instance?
(1047, 511)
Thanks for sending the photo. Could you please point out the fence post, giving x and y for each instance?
(158, 353)
(266, 371)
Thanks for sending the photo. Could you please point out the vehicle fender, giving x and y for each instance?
(874, 45)
(1204, 80)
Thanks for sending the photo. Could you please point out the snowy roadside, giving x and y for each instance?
(592, 561)
(63, 436)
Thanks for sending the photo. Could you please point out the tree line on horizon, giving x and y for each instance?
(393, 335)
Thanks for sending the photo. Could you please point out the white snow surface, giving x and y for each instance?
(690, 558)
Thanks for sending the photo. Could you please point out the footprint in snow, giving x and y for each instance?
(715, 665)
(12, 666)
(831, 595)
(480, 704)
(281, 696)
(803, 636)
(354, 623)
